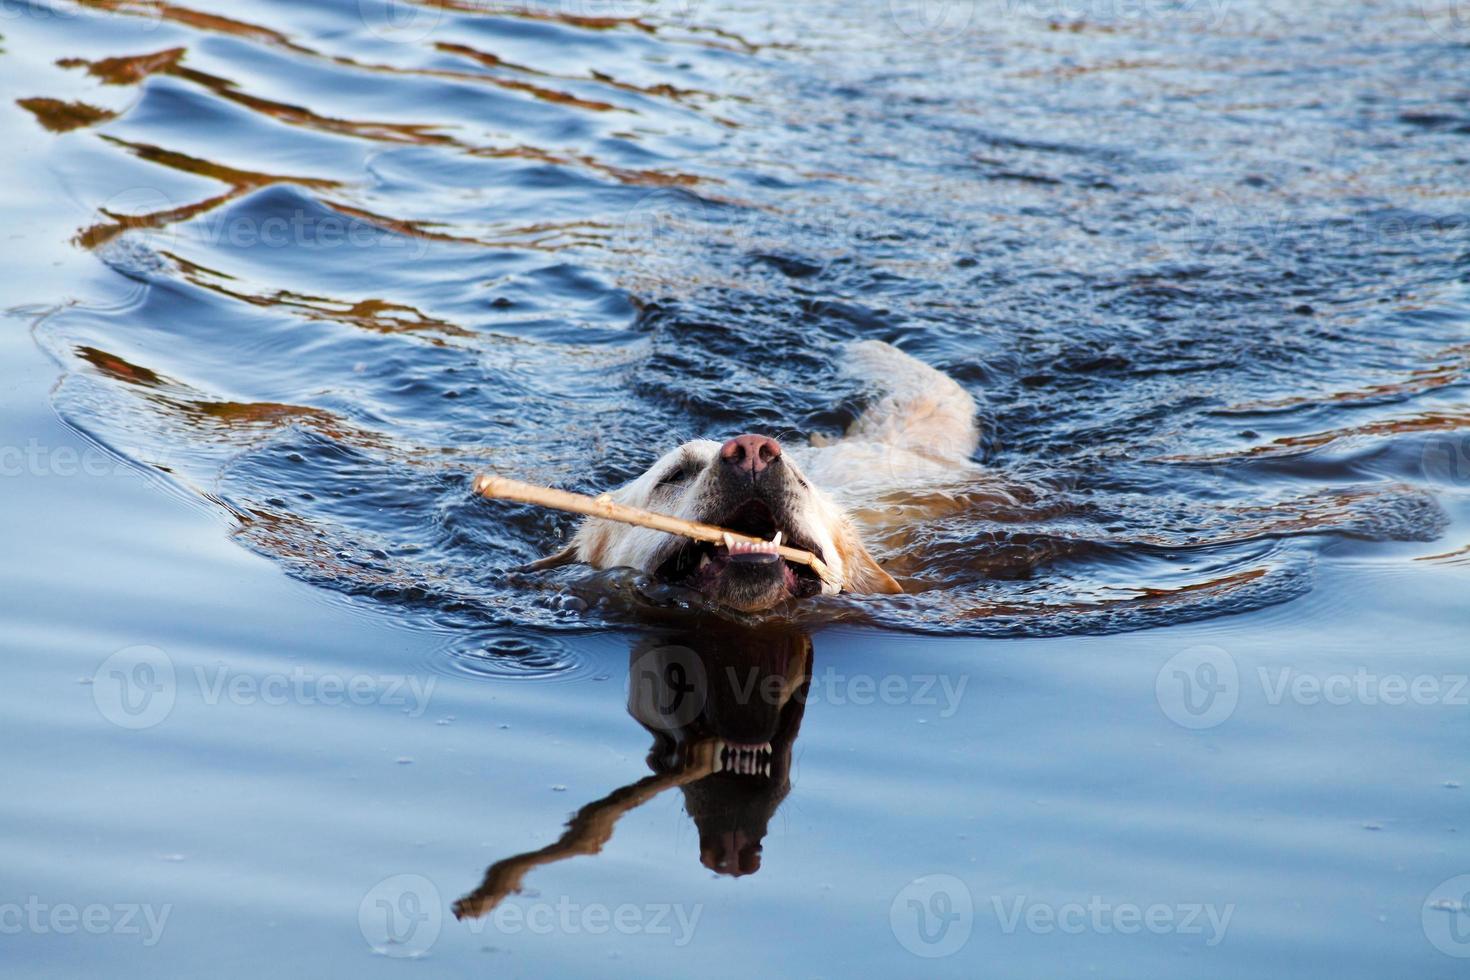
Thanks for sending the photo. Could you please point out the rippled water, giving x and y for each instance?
(1204, 276)
(1203, 265)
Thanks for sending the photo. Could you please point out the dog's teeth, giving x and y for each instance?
(703, 560)
(776, 541)
(729, 540)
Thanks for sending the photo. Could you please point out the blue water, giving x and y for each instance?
(282, 277)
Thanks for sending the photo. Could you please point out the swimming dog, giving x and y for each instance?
(920, 430)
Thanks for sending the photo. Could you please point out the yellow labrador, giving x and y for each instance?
(920, 432)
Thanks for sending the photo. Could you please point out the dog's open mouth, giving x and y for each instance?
(745, 576)
(743, 758)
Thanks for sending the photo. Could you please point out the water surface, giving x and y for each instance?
(299, 270)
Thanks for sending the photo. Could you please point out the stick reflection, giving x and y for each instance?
(724, 708)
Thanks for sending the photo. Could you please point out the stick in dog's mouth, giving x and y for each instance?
(749, 562)
(738, 546)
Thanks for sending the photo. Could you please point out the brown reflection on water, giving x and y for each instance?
(724, 708)
(128, 69)
(1460, 556)
(687, 96)
(1134, 597)
(623, 175)
(1285, 446)
(1420, 380)
(377, 315)
(229, 419)
(118, 369)
(194, 18)
(388, 132)
(62, 117)
(1030, 538)
(593, 23)
(133, 69)
(241, 182)
(225, 25)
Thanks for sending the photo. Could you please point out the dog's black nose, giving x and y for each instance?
(750, 454)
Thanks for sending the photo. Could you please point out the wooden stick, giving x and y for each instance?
(504, 488)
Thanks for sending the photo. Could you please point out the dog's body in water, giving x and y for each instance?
(920, 431)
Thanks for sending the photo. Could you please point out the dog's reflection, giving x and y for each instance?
(724, 708)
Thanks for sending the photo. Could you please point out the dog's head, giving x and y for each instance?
(740, 695)
(748, 485)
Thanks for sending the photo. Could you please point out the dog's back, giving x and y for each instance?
(921, 409)
(920, 429)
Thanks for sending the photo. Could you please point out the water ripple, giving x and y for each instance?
(1211, 299)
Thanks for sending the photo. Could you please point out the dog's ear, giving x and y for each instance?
(567, 556)
(864, 575)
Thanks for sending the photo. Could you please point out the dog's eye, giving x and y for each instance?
(676, 475)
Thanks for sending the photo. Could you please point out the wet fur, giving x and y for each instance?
(919, 431)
